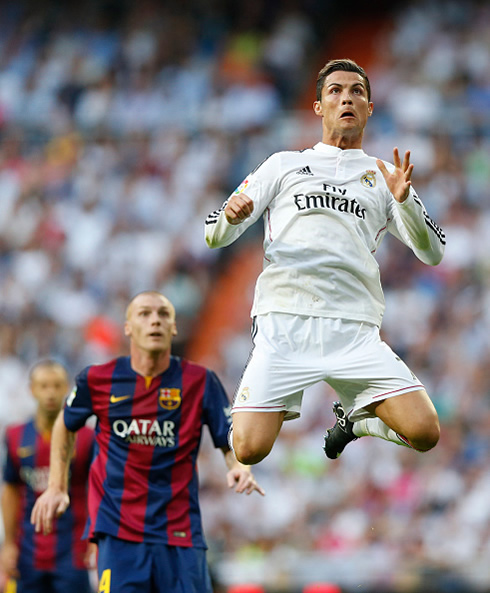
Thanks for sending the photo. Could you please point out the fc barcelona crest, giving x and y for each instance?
(170, 398)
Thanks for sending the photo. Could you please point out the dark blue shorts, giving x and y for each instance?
(40, 581)
(129, 567)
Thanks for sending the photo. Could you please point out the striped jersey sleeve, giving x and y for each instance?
(412, 225)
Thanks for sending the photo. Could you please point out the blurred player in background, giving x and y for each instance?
(151, 407)
(33, 562)
(318, 302)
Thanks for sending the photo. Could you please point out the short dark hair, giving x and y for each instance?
(47, 363)
(345, 65)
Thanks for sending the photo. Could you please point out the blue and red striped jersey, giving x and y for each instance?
(143, 483)
(27, 466)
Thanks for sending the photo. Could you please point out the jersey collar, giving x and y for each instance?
(334, 151)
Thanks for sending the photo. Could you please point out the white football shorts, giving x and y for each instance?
(293, 352)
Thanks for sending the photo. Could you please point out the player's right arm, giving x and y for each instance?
(245, 205)
(238, 209)
(225, 225)
(10, 503)
(55, 500)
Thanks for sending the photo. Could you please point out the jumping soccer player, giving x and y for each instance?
(318, 302)
(143, 502)
(33, 562)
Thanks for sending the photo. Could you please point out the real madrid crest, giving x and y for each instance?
(170, 398)
(369, 179)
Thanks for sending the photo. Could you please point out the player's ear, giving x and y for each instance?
(174, 329)
(317, 108)
(127, 329)
(370, 108)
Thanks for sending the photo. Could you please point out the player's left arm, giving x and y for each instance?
(240, 476)
(54, 501)
(10, 504)
(411, 223)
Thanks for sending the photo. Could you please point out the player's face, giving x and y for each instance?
(344, 105)
(49, 386)
(150, 323)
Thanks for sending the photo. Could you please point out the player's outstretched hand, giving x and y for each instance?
(399, 181)
(239, 207)
(51, 504)
(243, 480)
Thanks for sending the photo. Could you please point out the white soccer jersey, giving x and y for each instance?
(325, 212)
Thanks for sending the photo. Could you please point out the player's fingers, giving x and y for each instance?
(232, 215)
(45, 522)
(47, 525)
(233, 208)
(230, 479)
(246, 205)
(244, 483)
(238, 480)
(238, 210)
(408, 173)
(246, 200)
(406, 160)
(256, 488)
(251, 485)
(38, 520)
(62, 506)
(52, 509)
(382, 167)
(36, 517)
(241, 483)
(396, 158)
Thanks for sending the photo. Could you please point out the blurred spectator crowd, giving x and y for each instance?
(122, 124)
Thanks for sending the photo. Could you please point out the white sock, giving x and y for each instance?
(377, 428)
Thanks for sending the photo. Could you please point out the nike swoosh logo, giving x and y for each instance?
(114, 399)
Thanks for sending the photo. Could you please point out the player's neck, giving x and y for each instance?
(44, 422)
(345, 142)
(150, 364)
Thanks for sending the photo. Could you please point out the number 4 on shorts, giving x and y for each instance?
(105, 582)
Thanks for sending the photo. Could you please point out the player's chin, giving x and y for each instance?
(349, 122)
(158, 344)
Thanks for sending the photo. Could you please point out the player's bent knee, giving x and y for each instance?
(254, 434)
(250, 457)
(248, 450)
(427, 439)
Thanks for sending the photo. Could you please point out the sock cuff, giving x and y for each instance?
(359, 428)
